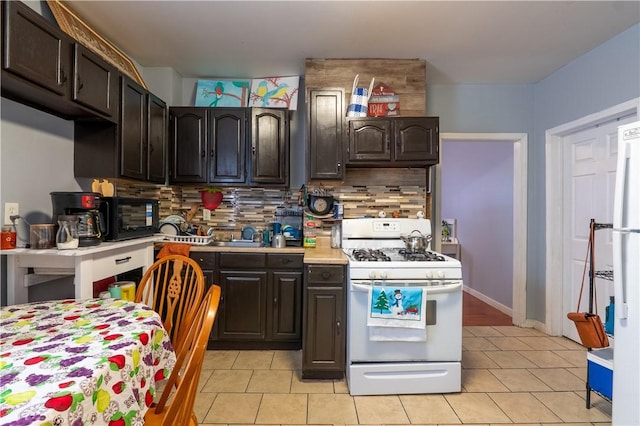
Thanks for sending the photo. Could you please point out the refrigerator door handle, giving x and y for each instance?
(619, 284)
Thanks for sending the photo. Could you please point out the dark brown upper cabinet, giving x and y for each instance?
(393, 141)
(34, 49)
(189, 141)
(211, 145)
(227, 151)
(44, 68)
(269, 146)
(143, 129)
(325, 109)
(95, 82)
(135, 147)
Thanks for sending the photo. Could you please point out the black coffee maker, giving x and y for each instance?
(84, 206)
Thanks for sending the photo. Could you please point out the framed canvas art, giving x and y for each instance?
(274, 92)
(222, 93)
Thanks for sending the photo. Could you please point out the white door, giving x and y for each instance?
(590, 167)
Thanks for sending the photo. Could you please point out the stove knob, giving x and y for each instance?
(428, 274)
(383, 275)
(373, 275)
(440, 274)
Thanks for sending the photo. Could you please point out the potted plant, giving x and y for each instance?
(211, 197)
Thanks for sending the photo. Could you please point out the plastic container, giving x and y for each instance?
(42, 236)
(8, 238)
(310, 232)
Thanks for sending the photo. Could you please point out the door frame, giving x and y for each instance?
(555, 140)
(520, 161)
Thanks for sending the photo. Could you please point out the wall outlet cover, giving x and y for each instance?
(206, 214)
(10, 209)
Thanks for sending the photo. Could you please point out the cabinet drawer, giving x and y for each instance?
(285, 261)
(243, 260)
(325, 275)
(118, 261)
(205, 260)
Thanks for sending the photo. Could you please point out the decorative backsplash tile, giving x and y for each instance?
(256, 206)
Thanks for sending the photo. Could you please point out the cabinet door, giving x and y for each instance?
(243, 315)
(416, 139)
(369, 140)
(227, 136)
(269, 146)
(286, 305)
(133, 134)
(326, 129)
(35, 50)
(189, 144)
(157, 139)
(207, 262)
(95, 82)
(324, 336)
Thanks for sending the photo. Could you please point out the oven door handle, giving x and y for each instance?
(451, 287)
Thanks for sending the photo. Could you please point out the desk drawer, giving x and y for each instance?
(117, 261)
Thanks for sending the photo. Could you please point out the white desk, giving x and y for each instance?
(87, 264)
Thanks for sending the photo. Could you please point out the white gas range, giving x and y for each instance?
(386, 281)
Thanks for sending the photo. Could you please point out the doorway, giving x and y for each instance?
(518, 143)
(581, 155)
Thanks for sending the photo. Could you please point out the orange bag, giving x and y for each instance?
(589, 326)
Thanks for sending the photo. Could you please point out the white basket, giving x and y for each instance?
(190, 239)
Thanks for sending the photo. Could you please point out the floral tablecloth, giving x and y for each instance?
(71, 362)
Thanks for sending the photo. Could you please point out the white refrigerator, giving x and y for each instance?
(626, 278)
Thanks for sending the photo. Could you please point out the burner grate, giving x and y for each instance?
(424, 255)
(370, 255)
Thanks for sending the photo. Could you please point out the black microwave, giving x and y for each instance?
(128, 218)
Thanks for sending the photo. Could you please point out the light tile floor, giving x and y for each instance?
(510, 375)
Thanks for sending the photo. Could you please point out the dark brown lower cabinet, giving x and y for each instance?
(324, 342)
(261, 301)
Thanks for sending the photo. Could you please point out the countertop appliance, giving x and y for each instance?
(84, 206)
(626, 278)
(130, 217)
(397, 360)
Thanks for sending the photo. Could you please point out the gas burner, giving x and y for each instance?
(370, 255)
(424, 255)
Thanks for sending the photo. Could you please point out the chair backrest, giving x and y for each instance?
(173, 287)
(175, 406)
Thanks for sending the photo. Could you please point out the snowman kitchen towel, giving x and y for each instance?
(402, 307)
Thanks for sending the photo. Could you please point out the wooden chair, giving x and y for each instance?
(173, 287)
(175, 407)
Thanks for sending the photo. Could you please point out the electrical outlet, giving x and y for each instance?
(10, 209)
(206, 214)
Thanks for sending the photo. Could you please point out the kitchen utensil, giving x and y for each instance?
(169, 228)
(416, 243)
(320, 204)
(42, 236)
(67, 235)
(248, 232)
(192, 212)
(174, 218)
(279, 241)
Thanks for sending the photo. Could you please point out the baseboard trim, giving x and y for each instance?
(489, 301)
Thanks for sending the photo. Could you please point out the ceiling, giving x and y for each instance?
(463, 42)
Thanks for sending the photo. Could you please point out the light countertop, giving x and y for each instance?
(322, 253)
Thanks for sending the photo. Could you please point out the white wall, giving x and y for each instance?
(477, 190)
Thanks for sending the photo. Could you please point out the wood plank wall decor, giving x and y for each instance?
(407, 77)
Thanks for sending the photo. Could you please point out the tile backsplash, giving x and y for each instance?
(256, 206)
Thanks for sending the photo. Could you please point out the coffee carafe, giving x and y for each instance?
(85, 207)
